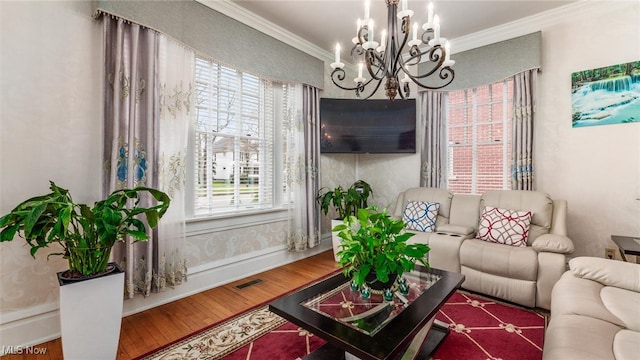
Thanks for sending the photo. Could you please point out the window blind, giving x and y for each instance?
(233, 142)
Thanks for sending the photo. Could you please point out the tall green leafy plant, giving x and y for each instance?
(345, 201)
(375, 243)
(86, 234)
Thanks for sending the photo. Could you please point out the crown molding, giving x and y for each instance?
(503, 32)
(248, 18)
(531, 24)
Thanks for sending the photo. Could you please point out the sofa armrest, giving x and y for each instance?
(445, 251)
(553, 243)
(455, 229)
(607, 272)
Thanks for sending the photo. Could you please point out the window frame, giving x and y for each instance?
(231, 217)
(470, 108)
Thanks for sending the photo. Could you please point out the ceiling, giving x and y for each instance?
(326, 22)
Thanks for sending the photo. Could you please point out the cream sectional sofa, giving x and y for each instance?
(521, 274)
(595, 312)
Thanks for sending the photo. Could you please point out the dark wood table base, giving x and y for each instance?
(435, 337)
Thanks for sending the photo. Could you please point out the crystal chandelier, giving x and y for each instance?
(385, 61)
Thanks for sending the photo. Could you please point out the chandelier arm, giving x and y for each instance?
(437, 59)
(445, 73)
(358, 50)
(339, 74)
(402, 91)
(415, 54)
(379, 66)
(374, 90)
(405, 29)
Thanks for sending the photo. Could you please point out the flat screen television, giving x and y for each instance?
(367, 126)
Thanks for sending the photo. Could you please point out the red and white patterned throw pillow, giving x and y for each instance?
(502, 226)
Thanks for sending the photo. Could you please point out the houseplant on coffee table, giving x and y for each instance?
(345, 202)
(374, 248)
(85, 236)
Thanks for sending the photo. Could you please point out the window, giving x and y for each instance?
(233, 141)
(479, 138)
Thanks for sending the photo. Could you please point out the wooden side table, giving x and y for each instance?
(627, 245)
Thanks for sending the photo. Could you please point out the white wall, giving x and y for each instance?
(51, 123)
(596, 169)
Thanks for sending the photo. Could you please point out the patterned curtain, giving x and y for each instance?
(148, 91)
(522, 175)
(301, 156)
(433, 150)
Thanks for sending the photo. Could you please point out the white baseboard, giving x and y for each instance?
(40, 324)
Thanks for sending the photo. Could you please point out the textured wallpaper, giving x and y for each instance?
(218, 245)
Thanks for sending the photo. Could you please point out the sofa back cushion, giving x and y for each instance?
(465, 210)
(539, 203)
(426, 194)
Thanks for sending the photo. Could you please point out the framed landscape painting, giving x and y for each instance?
(608, 95)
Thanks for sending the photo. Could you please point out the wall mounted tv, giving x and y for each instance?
(367, 126)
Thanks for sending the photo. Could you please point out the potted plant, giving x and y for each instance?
(374, 248)
(345, 202)
(89, 310)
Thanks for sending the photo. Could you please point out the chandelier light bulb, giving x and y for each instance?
(337, 64)
(447, 58)
(415, 41)
(366, 10)
(359, 79)
(447, 49)
(383, 41)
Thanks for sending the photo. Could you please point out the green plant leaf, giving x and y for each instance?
(152, 218)
(9, 232)
(33, 218)
(54, 218)
(138, 235)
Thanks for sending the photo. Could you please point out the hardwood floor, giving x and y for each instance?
(148, 330)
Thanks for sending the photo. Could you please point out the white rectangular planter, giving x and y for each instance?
(91, 316)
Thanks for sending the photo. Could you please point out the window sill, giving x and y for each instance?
(230, 221)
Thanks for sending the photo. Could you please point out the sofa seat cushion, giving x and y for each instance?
(521, 292)
(580, 337)
(513, 262)
(419, 237)
(575, 296)
(626, 345)
(623, 304)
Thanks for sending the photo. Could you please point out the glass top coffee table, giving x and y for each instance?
(372, 328)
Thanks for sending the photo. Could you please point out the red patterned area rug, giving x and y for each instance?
(481, 329)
